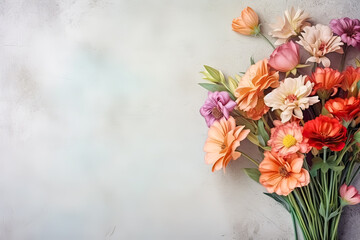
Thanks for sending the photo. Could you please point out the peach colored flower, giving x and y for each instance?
(287, 139)
(319, 40)
(351, 79)
(283, 174)
(326, 82)
(259, 110)
(223, 139)
(291, 24)
(252, 85)
(349, 195)
(247, 23)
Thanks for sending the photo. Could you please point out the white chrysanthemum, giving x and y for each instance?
(319, 40)
(291, 97)
(291, 24)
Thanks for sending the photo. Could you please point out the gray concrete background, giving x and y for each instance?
(100, 135)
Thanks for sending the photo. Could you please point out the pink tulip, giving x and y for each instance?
(349, 195)
(285, 57)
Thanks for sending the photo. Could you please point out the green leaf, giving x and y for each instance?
(232, 83)
(252, 62)
(213, 87)
(261, 140)
(264, 135)
(215, 74)
(279, 199)
(253, 173)
(245, 122)
(222, 78)
(324, 111)
(252, 138)
(324, 168)
(333, 214)
(357, 136)
(337, 168)
(294, 71)
(316, 165)
(322, 210)
(331, 159)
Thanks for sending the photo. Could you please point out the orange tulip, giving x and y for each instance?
(283, 174)
(247, 23)
(223, 139)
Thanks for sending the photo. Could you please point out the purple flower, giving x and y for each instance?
(218, 105)
(348, 29)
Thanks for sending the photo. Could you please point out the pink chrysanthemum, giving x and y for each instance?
(287, 139)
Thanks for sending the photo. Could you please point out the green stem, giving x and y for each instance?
(314, 66)
(343, 58)
(250, 158)
(299, 216)
(265, 123)
(348, 175)
(272, 45)
(353, 177)
(294, 223)
(333, 237)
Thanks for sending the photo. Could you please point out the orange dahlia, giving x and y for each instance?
(326, 82)
(259, 110)
(223, 139)
(351, 79)
(283, 174)
(247, 23)
(344, 109)
(252, 85)
(324, 131)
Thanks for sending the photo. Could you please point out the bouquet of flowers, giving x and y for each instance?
(304, 117)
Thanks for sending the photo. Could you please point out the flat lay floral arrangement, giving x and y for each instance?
(303, 116)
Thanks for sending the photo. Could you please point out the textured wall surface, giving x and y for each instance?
(100, 136)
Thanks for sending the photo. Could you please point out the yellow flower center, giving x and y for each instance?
(289, 141)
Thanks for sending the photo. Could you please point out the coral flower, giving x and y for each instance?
(349, 195)
(351, 79)
(327, 81)
(287, 139)
(252, 85)
(223, 139)
(285, 57)
(291, 97)
(218, 105)
(344, 109)
(283, 174)
(247, 23)
(290, 25)
(324, 131)
(319, 40)
(348, 29)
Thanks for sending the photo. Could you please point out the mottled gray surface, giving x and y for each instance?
(100, 136)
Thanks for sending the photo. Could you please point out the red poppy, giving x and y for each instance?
(344, 109)
(324, 131)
